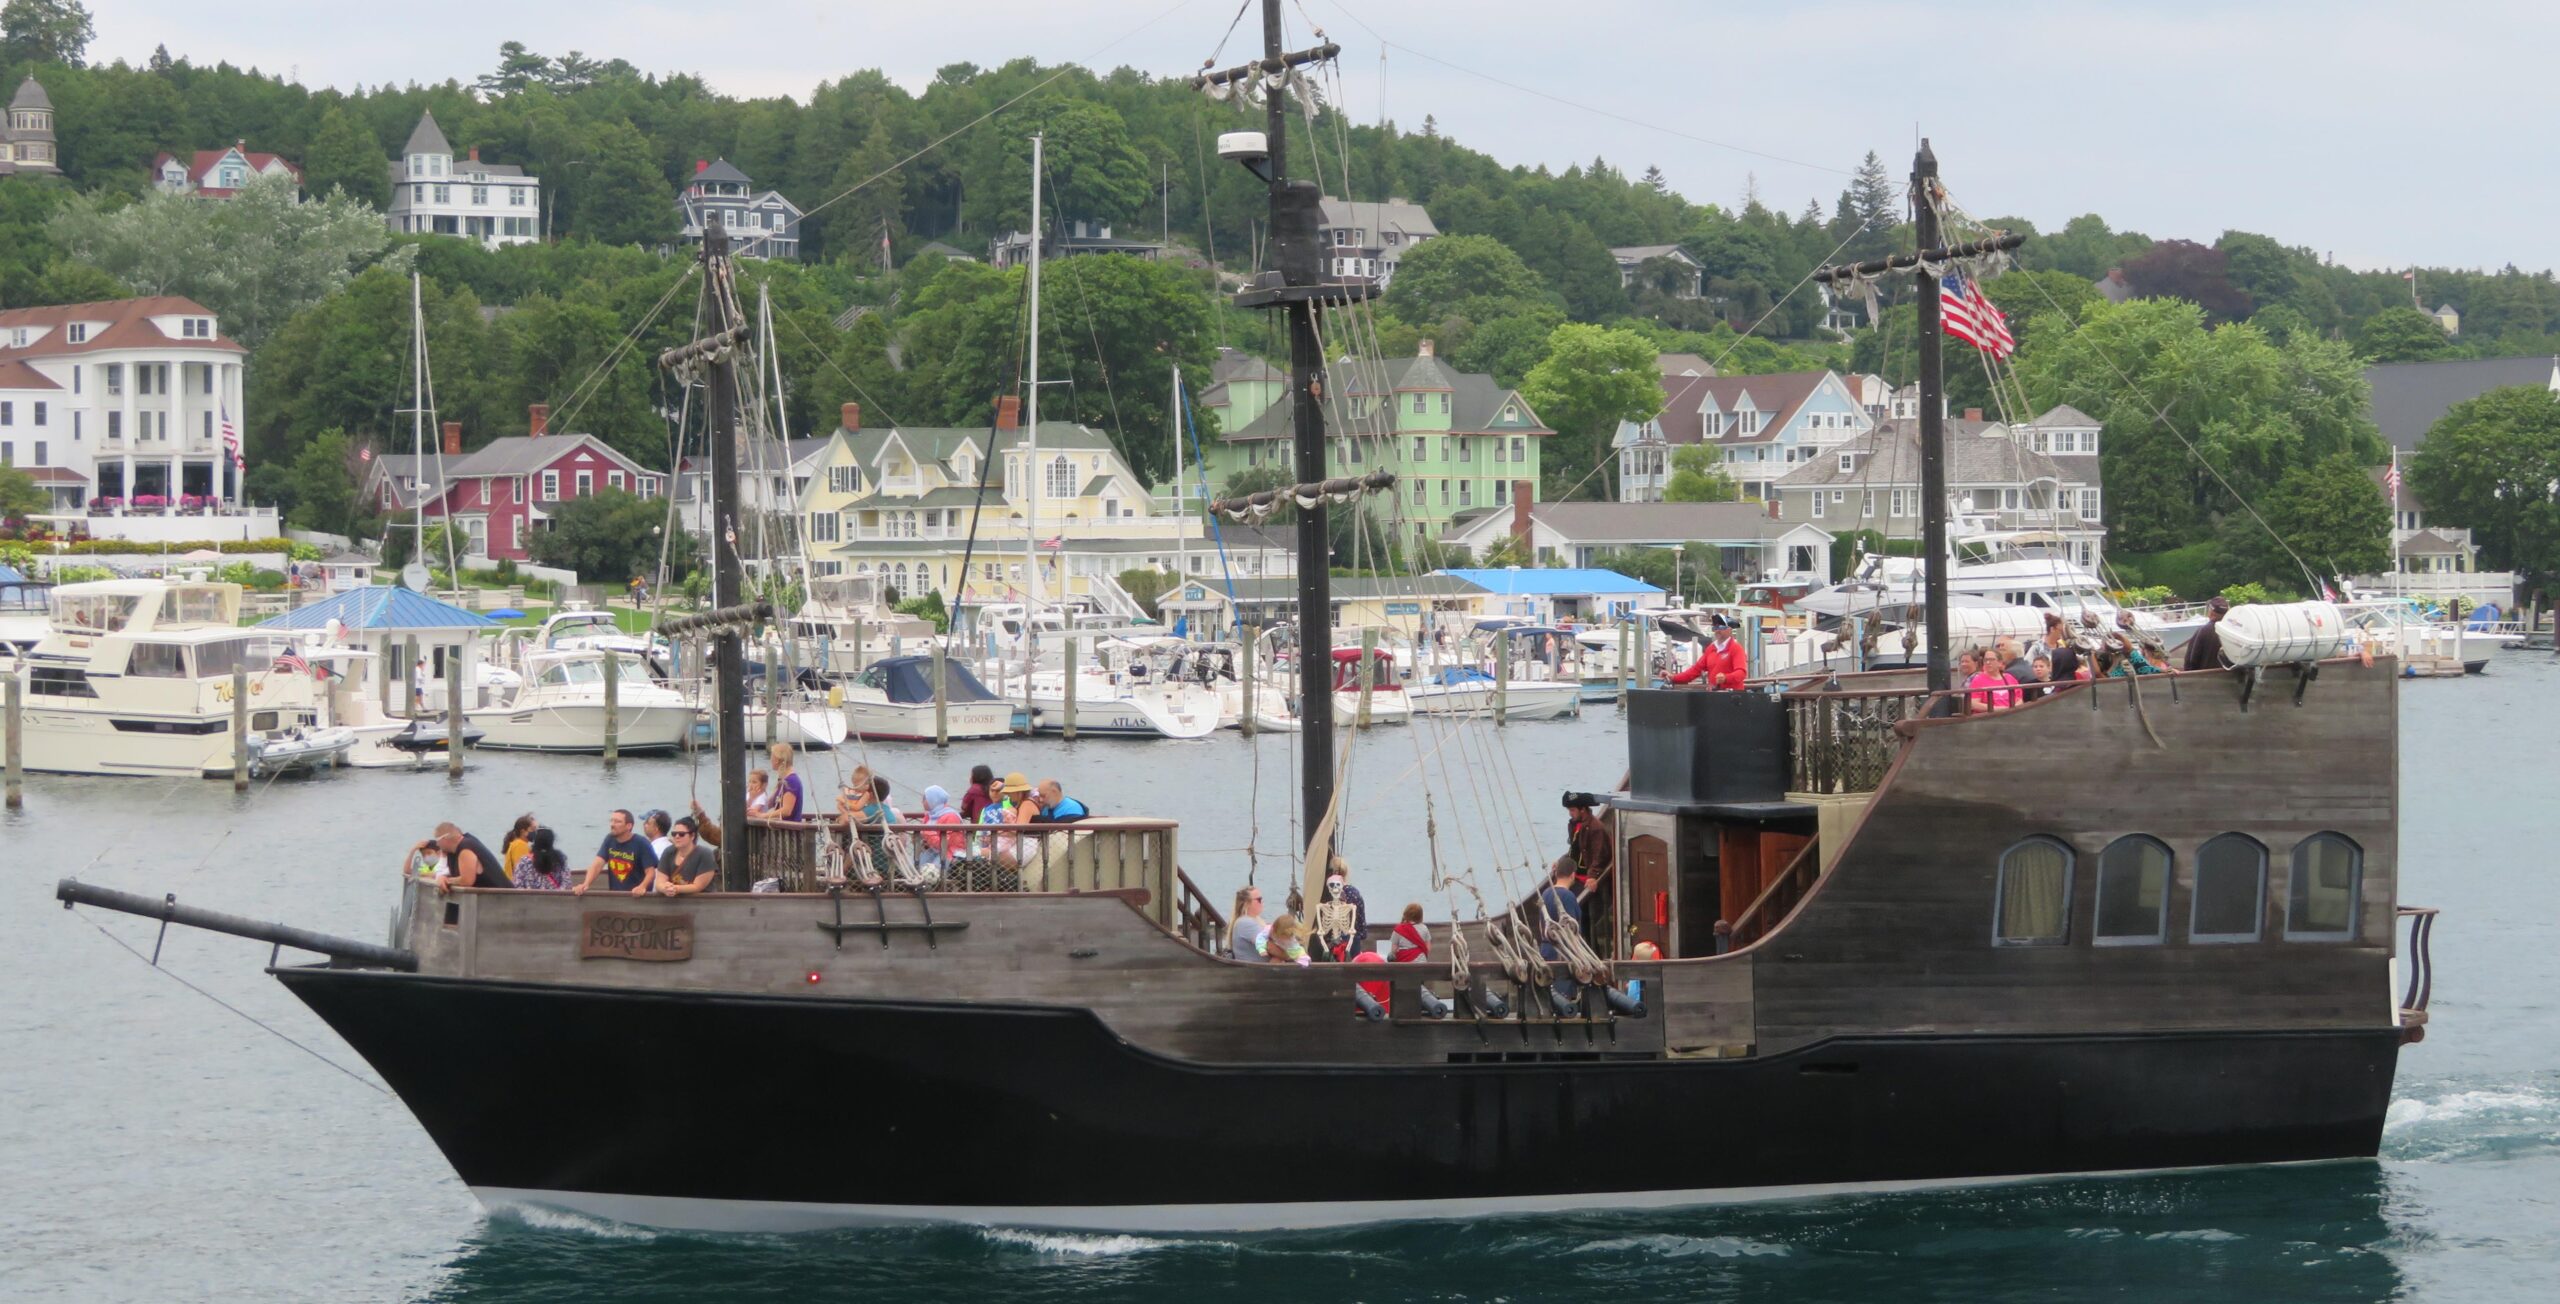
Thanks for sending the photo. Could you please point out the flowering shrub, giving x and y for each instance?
(151, 500)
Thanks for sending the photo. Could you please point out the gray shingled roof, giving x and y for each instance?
(522, 454)
(2065, 417)
(2433, 542)
(1640, 253)
(2410, 397)
(427, 138)
(721, 170)
(1593, 524)
(1978, 453)
(1393, 215)
(30, 95)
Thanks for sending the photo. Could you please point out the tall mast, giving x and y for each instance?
(418, 413)
(1031, 425)
(1933, 420)
(1181, 518)
(1930, 262)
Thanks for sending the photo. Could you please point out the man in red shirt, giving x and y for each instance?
(1721, 663)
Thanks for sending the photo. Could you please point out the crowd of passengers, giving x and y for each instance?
(2011, 674)
(659, 854)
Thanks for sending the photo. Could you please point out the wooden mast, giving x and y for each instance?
(1933, 420)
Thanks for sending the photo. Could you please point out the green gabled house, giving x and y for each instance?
(1457, 441)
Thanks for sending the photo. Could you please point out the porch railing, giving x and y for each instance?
(1844, 742)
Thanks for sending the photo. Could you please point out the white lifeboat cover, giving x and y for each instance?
(2259, 634)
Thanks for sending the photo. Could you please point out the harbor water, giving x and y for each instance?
(157, 1145)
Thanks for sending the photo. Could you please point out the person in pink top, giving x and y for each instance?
(1994, 688)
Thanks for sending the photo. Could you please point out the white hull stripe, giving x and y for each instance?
(689, 1214)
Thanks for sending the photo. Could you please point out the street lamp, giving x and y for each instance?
(1676, 550)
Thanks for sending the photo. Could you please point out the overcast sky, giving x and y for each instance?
(2382, 133)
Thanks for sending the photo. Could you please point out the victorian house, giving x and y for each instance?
(506, 490)
(434, 193)
(761, 224)
(26, 134)
(217, 173)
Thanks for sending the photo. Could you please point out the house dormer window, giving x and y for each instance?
(1749, 419)
(1848, 463)
(77, 332)
(1061, 479)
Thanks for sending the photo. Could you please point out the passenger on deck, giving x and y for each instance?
(1245, 932)
(1559, 911)
(468, 862)
(2111, 664)
(1412, 936)
(543, 868)
(1021, 806)
(2040, 677)
(517, 844)
(2148, 653)
(704, 827)
(1594, 850)
(2204, 650)
(2015, 660)
(940, 848)
(980, 795)
(1994, 688)
(624, 859)
(654, 826)
(1286, 943)
(2059, 645)
(1060, 808)
(790, 798)
(1721, 662)
(689, 866)
(759, 792)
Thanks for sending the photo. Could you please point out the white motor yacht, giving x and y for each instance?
(560, 707)
(1127, 690)
(1533, 686)
(843, 626)
(2019, 568)
(893, 699)
(135, 677)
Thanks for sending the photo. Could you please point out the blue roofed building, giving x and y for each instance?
(1553, 594)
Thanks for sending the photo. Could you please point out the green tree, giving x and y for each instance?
(255, 259)
(624, 198)
(344, 156)
(2327, 513)
(518, 69)
(21, 496)
(1146, 585)
(1094, 173)
(608, 536)
(2402, 335)
(1469, 277)
(1697, 476)
(45, 31)
(2492, 463)
(1592, 379)
(320, 486)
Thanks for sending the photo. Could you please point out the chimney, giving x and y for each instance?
(453, 439)
(1423, 349)
(475, 153)
(1773, 509)
(1973, 414)
(701, 165)
(1008, 413)
(1520, 511)
(853, 418)
(541, 423)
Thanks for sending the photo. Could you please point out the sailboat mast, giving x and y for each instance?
(1181, 518)
(418, 412)
(1933, 420)
(728, 577)
(1031, 428)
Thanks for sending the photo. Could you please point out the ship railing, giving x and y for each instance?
(2420, 962)
(1843, 742)
(1102, 854)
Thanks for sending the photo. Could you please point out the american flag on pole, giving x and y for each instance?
(1965, 314)
(291, 662)
(2391, 480)
(231, 439)
(1054, 542)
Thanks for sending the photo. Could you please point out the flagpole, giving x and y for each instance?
(2398, 582)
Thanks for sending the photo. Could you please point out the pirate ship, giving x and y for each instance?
(2134, 925)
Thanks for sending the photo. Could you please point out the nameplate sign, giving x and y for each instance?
(608, 935)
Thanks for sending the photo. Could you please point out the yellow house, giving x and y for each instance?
(917, 504)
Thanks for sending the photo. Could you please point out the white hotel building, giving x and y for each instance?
(122, 400)
(433, 193)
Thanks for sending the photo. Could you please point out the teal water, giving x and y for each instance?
(154, 1145)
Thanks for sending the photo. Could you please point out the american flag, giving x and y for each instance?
(2391, 481)
(1054, 542)
(231, 438)
(291, 662)
(1968, 316)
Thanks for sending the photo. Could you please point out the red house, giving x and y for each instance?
(504, 490)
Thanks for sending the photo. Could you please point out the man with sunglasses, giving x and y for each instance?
(689, 866)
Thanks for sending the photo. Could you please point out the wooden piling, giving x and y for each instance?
(456, 675)
(1069, 726)
(1368, 649)
(16, 763)
(612, 708)
(941, 693)
(772, 692)
(1501, 681)
(239, 728)
(1248, 675)
(410, 675)
(1626, 663)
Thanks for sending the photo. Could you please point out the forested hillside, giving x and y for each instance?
(1527, 253)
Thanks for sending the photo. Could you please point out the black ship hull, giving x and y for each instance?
(785, 1113)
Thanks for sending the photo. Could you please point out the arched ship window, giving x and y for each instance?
(2231, 890)
(2035, 894)
(2133, 892)
(2328, 876)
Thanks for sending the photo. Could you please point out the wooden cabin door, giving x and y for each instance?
(1648, 895)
